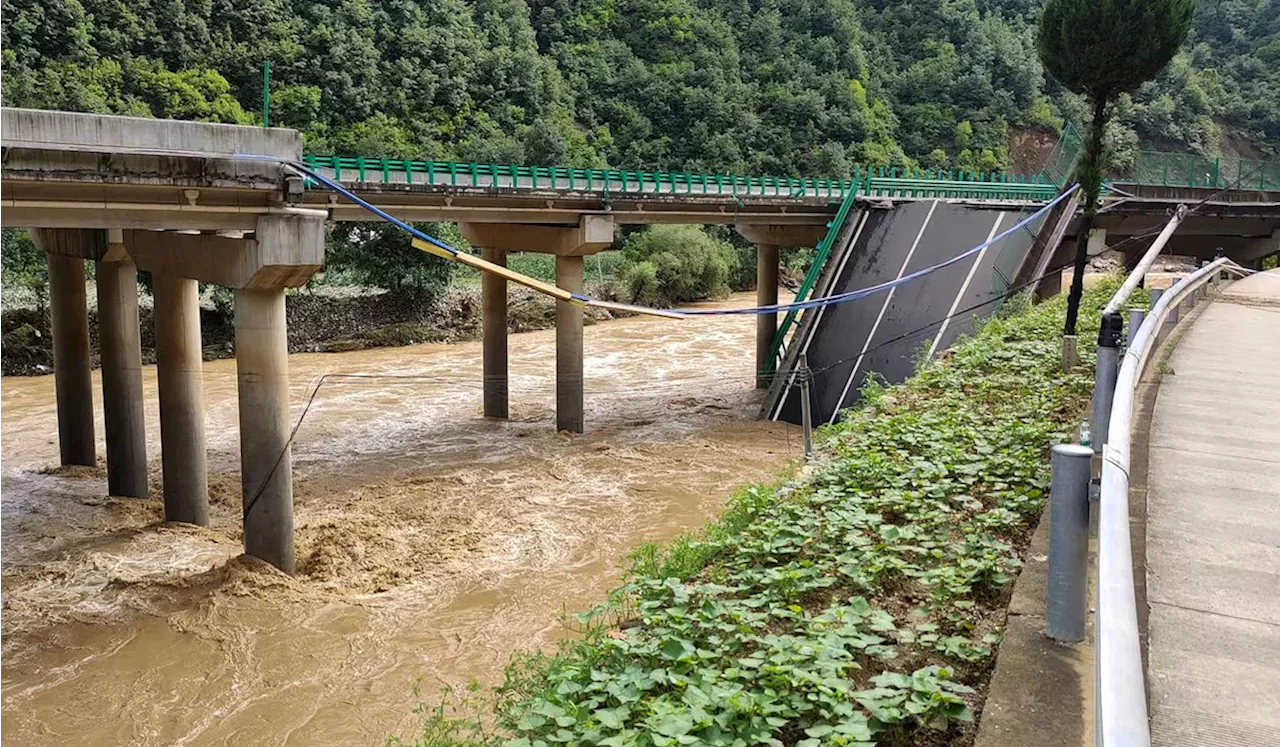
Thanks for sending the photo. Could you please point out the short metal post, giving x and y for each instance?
(1136, 317)
(1104, 379)
(1155, 294)
(1067, 605)
(806, 417)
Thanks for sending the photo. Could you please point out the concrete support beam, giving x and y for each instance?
(71, 377)
(121, 347)
(593, 233)
(262, 373)
(781, 235)
(285, 251)
(493, 295)
(82, 243)
(766, 324)
(1097, 241)
(180, 376)
(569, 408)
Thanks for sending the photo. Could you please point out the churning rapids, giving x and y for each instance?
(430, 543)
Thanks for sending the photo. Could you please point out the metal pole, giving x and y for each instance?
(1067, 605)
(266, 93)
(1104, 379)
(1136, 317)
(806, 417)
(1144, 264)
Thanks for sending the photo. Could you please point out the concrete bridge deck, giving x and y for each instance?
(1213, 531)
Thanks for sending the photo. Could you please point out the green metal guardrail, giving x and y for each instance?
(880, 182)
(810, 279)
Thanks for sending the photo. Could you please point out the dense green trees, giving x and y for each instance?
(780, 87)
(785, 87)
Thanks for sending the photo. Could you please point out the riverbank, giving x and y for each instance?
(324, 322)
(859, 603)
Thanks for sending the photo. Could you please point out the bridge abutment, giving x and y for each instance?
(73, 383)
(180, 380)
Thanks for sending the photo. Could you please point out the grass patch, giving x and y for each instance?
(856, 603)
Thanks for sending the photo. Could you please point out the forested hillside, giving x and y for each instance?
(784, 87)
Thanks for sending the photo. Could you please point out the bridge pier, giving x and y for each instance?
(69, 309)
(569, 244)
(262, 379)
(569, 324)
(766, 324)
(119, 341)
(493, 297)
(768, 240)
(180, 380)
(284, 251)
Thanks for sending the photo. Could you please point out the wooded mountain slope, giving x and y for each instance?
(784, 87)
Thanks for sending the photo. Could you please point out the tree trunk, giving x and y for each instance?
(1089, 176)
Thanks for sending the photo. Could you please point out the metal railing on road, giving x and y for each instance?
(1121, 702)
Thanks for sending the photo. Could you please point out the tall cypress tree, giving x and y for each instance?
(1100, 49)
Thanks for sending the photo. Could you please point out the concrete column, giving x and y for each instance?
(569, 348)
(266, 476)
(121, 348)
(71, 360)
(493, 294)
(180, 375)
(766, 295)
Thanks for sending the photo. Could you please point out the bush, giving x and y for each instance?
(667, 265)
(25, 270)
(382, 255)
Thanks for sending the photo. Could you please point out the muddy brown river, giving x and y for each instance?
(431, 543)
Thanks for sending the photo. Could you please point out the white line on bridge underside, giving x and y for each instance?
(955, 304)
(964, 287)
(835, 412)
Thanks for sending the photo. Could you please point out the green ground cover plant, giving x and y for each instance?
(857, 602)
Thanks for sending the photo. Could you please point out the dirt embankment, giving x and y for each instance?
(316, 324)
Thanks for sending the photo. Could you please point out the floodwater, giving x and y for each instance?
(431, 543)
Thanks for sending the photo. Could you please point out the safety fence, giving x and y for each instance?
(1192, 170)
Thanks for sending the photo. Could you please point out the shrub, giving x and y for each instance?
(667, 265)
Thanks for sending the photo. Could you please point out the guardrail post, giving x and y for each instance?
(1067, 604)
(1154, 294)
(1136, 317)
(1104, 379)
